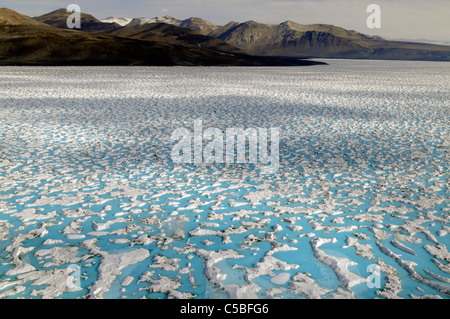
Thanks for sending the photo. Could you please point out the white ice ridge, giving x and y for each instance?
(304, 285)
(409, 266)
(111, 266)
(339, 264)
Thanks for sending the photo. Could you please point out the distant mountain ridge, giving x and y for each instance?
(143, 21)
(120, 21)
(89, 23)
(26, 41)
(315, 40)
(160, 29)
(197, 24)
(12, 18)
(192, 41)
(322, 40)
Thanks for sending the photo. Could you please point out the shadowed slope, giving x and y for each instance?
(24, 41)
(322, 40)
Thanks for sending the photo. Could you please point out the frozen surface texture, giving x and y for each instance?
(91, 205)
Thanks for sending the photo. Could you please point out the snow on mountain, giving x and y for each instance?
(119, 21)
(199, 25)
(165, 19)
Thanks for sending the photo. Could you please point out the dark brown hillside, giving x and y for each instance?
(24, 41)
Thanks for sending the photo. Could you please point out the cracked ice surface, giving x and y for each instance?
(91, 205)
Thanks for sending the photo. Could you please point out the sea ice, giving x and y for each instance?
(86, 180)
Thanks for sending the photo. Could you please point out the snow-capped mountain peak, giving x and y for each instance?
(119, 21)
(165, 19)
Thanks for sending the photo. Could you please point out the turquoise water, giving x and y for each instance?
(357, 155)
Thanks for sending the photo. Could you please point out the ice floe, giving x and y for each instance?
(92, 206)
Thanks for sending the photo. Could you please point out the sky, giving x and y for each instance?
(400, 19)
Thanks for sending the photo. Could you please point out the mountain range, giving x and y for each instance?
(27, 41)
(315, 40)
(293, 39)
(298, 40)
(46, 40)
